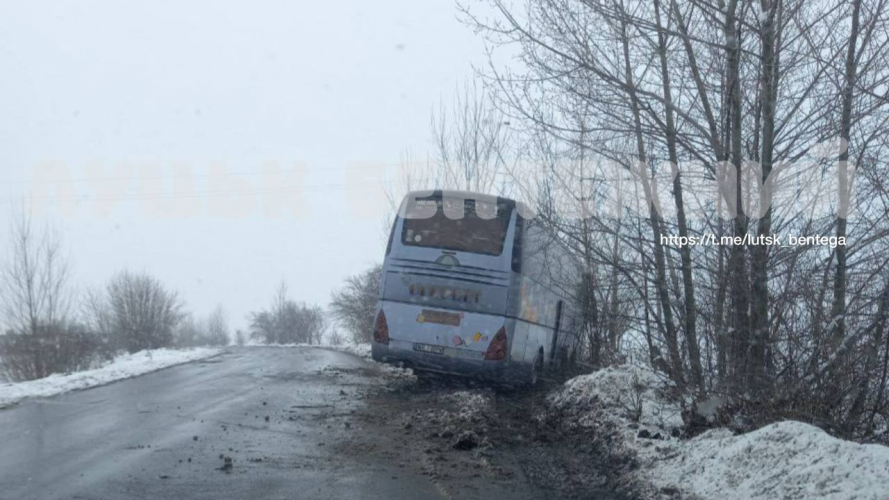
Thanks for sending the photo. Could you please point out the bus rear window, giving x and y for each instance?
(481, 229)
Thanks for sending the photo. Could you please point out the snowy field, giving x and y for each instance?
(125, 366)
(785, 460)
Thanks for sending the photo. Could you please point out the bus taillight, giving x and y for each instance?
(381, 329)
(497, 349)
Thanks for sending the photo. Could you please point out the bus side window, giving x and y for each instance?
(517, 243)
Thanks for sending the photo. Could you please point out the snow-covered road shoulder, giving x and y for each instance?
(360, 350)
(786, 460)
(123, 367)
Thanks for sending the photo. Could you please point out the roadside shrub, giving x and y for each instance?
(50, 349)
(355, 304)
(143, 311)
(288, 322)
(212, 331)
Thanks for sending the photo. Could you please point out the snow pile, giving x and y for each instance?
(468, 406)
(465, 422)
(627, 396)
(787, 460)
(467, 412)
(125, 366)
(396, 374)
(360, 350)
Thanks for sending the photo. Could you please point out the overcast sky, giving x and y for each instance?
(163, 136)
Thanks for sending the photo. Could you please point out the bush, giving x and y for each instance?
(288, 322)
(355, 305)
(143, 312)
(50, 349)
(213, 331)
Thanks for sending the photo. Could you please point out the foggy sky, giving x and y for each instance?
(146, 131)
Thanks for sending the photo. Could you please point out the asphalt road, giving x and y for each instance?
(282, 415)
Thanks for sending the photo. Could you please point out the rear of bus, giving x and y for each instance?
(445, 284)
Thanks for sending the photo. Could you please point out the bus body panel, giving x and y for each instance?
(537, 339)
(519, 341)
(462, 347)
(439, 287)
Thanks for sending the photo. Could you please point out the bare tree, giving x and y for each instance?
(288, 322)
(217, 327)
(355, 304)
(35, 285)
(240, 337)
(144, 312)
(469, 142)
(335, 337)
(190, 332)
(741, 91)
(35, 297)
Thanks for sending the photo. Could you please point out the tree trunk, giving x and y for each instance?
(740, 291)
(757, 380)
(691, 337)
(670, 334)
(838, 308)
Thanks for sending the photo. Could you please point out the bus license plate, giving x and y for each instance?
(434, 349)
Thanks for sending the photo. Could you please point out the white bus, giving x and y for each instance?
(471, 287)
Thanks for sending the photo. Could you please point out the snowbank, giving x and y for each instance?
(786, 460)
(628, 396)
(360, 350)
(126, 366)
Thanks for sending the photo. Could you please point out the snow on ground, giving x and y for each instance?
(619, 395)
(125, 366)
(363, 351)
(785, 460)
(360, 350)
(468, 405)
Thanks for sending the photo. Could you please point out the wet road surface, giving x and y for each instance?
(280, 414)
(258, 423)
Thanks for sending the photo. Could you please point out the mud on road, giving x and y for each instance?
(473, 439)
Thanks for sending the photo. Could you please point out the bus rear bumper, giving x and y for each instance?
(401, 353)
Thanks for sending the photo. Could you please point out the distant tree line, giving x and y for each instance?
(48, 328)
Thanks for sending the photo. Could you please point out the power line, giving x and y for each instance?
(192, 175)
(206, 194)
